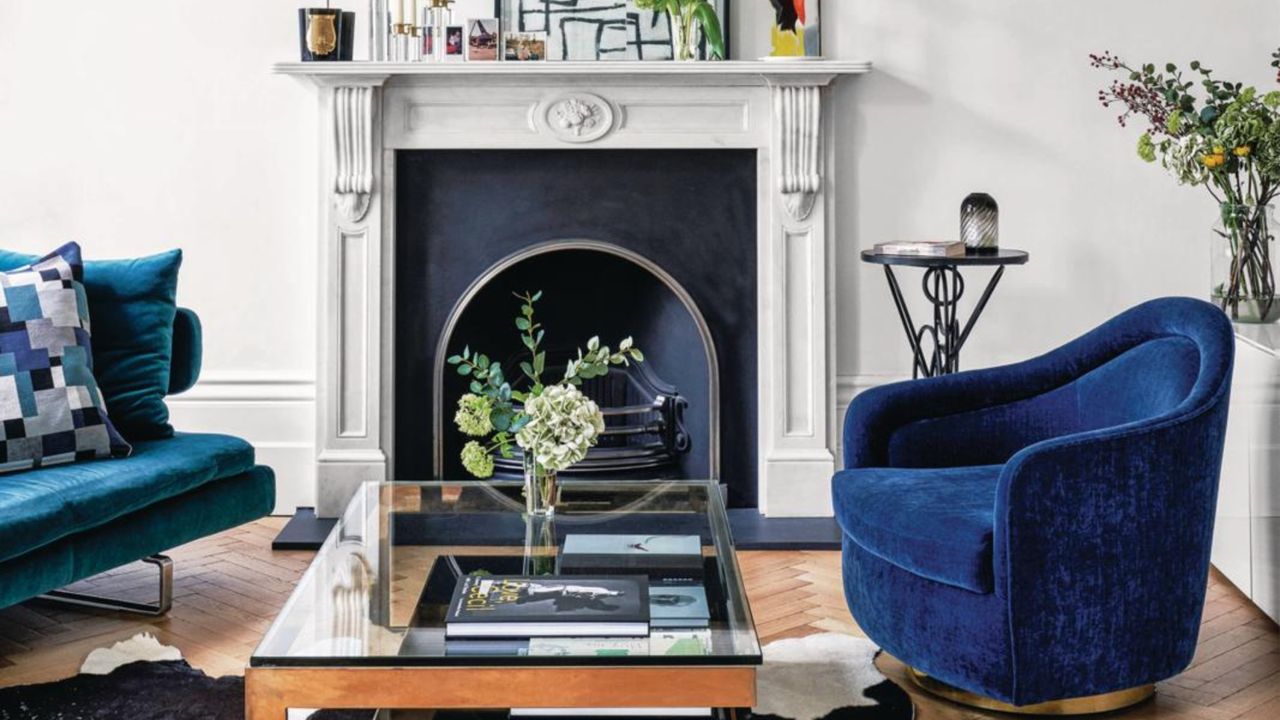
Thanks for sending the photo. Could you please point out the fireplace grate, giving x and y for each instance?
(644, 434)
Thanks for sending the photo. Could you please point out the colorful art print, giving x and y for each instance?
(482, 39)
(453, 45)
(598, 29)
(797, 29)
(428, 42)
(524, 46)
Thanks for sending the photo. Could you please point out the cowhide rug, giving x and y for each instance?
(820, 677)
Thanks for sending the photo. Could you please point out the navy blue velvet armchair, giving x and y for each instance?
(1041, 531)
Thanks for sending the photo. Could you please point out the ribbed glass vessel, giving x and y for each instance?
(980, 223)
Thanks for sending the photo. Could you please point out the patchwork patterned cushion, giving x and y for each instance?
(51, 410)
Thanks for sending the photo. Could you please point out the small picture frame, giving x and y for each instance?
(524, 46)
(483, 39)
(428, 43)
(454, 42)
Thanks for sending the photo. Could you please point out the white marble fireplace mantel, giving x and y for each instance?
(371, 110)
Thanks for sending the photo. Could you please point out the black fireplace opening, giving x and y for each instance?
(659, 245)
(659, 417)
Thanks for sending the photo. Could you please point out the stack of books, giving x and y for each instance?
(608, 586)
(613, 596)
(922, 248)
(673, 565)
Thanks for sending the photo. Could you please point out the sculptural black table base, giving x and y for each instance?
(936, 347)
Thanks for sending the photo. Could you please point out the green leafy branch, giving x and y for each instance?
(595, 362)
(532, 339)
(488, 380)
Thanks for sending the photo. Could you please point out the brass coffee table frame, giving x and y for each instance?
(271, 691)
(271, 688)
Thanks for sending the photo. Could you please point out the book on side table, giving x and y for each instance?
(923, 248)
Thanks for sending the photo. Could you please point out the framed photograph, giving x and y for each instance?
(524, 46)
(454, 46)
(482, 39)
(599, 29)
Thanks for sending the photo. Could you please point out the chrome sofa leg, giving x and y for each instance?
(164, 602)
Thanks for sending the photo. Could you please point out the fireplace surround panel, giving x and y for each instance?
(690, 213)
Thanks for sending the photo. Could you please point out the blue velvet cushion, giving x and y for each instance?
(51, 410)
(132, 304)
(1108, 449)
(936, 523)
(40, 506)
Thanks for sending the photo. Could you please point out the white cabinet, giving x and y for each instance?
(1246, 535)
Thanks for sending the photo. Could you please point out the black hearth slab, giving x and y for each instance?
(753, 531)
(304, 531)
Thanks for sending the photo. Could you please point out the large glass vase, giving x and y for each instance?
(1243, 278)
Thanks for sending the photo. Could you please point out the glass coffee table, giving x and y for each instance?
(365, 626)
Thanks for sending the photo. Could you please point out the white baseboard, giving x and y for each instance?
(275, 413)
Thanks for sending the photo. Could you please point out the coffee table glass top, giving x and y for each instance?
(377, 591)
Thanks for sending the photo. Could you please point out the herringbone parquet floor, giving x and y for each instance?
(228, 587)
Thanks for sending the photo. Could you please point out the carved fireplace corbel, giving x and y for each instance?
(797, 111)
(353, 149)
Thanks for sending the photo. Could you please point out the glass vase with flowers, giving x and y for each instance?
(1222, 136)
(553, 423)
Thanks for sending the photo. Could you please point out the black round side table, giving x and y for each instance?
(943, 286)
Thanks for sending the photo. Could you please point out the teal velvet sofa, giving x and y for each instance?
(63, 523)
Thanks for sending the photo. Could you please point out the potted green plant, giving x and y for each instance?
(554, 424)
(686, 16)
(1224, 137)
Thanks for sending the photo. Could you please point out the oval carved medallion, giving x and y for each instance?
(578, 117)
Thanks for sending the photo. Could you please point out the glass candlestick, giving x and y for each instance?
(379, 30)
(436, 17)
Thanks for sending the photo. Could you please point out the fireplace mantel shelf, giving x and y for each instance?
(733, 71)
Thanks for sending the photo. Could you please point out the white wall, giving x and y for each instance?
(142, 125)
(998, 95)
(138, 126)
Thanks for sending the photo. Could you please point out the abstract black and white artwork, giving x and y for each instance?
(597, 29)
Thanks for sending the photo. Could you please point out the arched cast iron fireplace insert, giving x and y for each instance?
(662, 416)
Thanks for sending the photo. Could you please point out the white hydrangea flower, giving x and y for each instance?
(563, 425)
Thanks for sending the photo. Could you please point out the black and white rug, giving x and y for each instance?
(820, 677)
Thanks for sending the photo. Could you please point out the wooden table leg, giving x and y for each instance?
(261, 700)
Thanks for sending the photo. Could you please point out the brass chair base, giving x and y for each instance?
(1087, 705)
